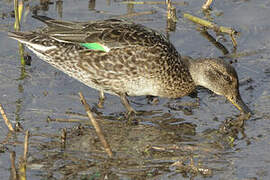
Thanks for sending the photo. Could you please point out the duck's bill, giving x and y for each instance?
(239, 104)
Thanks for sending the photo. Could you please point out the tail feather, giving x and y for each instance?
(55, 24)
(65, 31)
(27, 39)
(62, 31)
(42, 18)
(21, 36)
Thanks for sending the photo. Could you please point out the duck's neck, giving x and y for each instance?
(194, 69)
(197, 69)
(200, 70)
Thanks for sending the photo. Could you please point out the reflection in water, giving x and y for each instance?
(59, 8)
(233, 126)
(217, 44)
(92, 5)
(131, 15)
(171, 18)
(18, 172)
(13, 171)
(210, 38)
(44, 4)
(18, 108)
(18, 9)
(21, 53)
(166, 143)
(130, 8)
(171, 26)
(44, 7)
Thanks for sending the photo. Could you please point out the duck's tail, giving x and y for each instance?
(33, 40)
(56, 24)
(44, 19)
(23, 37)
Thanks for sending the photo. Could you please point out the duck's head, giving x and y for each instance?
(220, 77)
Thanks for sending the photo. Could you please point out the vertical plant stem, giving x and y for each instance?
(207, 4)
(22, 170)
(96, 126)
(18, 9)
(17, 21)
(7, 122)
(171, 12)
(21, 51)
(63, 138)
(13, 165)
(26, 138)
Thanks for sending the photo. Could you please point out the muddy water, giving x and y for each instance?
(190, 137)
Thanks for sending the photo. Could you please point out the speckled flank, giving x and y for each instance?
(138, 60)
(141, 61)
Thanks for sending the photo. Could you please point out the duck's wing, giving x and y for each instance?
(110, 33)
(57, 24)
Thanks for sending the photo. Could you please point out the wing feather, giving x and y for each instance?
(112, 33)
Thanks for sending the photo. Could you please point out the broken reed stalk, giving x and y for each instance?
(23, 160)
(7, 122)
(154, 3)
(192, 168)
(67, 120)
(137, 14)
(63, 138)
(171, 11)
(26, 138)
(213, 26)
(13, 165)
(96, 125)
(207, 4)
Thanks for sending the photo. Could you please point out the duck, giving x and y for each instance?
(122, 58)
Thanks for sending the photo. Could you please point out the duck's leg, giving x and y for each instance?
(101, 99)
(152, 100)
(126, 104)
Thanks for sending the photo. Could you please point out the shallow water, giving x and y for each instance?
(174, 139)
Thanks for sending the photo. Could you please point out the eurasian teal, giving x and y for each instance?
(123, 58)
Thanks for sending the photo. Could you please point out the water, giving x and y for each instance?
(184, 132)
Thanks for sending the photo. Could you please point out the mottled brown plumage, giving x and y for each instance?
(132, 60)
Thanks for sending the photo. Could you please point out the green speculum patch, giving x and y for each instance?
(94, 46)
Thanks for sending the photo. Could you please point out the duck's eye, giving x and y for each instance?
(228, 78)
(216, 74)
